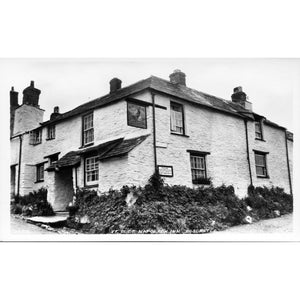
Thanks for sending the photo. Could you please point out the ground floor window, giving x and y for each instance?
(198, 167)
(91, 170)
(261, 164)
(40, 172)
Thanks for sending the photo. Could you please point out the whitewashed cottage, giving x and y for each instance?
(190, 137)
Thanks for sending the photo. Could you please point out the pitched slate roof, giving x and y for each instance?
(123, 148)
(162, 86)
(114, 148)
(69, 160)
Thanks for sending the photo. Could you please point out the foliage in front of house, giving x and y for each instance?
(159, 208)
(33, 204)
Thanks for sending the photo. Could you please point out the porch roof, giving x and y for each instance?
(114, 148)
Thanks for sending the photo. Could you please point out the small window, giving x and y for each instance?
(91, 170)
(88, 129)
(53, 159)
(177, 121)
(51, 132)
(136, 115)
(35, 137)
(40, 172)
(198, 167)
(261, 164)
(258, 130)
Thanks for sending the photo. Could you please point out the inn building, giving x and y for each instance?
(191, 138)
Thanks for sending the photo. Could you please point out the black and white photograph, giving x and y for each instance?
(199, 148)
(149, 149)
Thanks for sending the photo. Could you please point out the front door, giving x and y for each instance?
(63, 187)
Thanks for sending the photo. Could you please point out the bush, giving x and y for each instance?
(33, 204)
(160, 208)
(265, 201)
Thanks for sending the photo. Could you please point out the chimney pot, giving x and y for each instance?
(240, 97)
(31, 95)
(55, 113)
(115, 84)
(178, 77)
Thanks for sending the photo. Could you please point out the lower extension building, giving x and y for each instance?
(190, 137)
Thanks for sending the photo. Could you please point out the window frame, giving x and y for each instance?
(259, 123)
(202, 155)
(33, 140)
(40, 178)
(265, 165)
(49, 135)
(84, 131)
(51, 161)
(91, 183)
(173, 103)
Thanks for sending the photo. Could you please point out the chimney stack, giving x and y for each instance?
(178, 77)
(239, 97)
(31, 95)
(55, 113)
(115, 84)
(14, 103)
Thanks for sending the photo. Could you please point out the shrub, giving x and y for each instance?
(160, 208)
(265, 201)
(33, 204)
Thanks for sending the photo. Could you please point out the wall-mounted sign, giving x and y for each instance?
(165, 171)
(136, 115)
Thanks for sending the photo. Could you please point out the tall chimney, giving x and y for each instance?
(13, 105)
(178, 77)
(31, 95)
(239, 97)
(13, 98)
(115, 84)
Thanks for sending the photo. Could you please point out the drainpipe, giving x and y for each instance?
(154, 132)
(288, 163)
(248, 157)
(19, 166)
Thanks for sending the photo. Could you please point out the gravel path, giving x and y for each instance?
(282, 224)
(19, 226)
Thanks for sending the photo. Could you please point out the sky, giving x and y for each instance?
(67, 83)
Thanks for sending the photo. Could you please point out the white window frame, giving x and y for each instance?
(91, 169)
(35, 137)
(40, 170)
(88, 129)
(258, 133)
(263, 166)
(51, 132)
(198, 167)
(177, 118)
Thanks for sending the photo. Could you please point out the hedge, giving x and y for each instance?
(160, 208)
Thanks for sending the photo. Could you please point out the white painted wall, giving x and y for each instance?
(220, 134)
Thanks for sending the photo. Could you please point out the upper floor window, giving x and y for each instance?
(91, 170)
(35, 137)
(261, 164)
(51, 132)
(40, 172)
(87, 129)
(258, 130)
(136, 115)
(177, 119)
